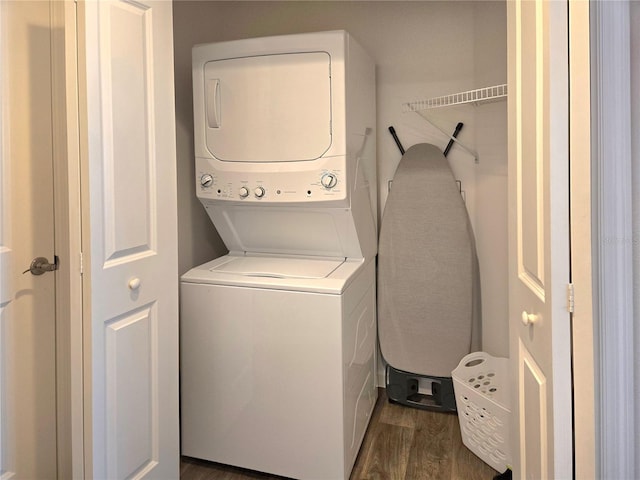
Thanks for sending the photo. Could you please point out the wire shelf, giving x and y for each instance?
(480, 95)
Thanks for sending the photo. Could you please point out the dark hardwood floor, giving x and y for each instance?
(401, 444)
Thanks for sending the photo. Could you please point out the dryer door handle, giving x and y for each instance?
(212, 99)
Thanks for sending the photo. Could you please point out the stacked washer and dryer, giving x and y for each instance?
(278, 337)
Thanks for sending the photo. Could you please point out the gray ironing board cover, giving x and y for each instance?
(428, 280)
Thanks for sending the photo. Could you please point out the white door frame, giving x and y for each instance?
(5, 252)
(69, 329)
(613, 238)
(584, 425)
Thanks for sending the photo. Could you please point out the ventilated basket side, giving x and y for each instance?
(482, 399)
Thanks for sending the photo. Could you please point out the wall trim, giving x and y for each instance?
(613, 253)
(68, 240)
(582, 318)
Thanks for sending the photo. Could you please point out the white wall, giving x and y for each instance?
(491, 176)
(421, 49)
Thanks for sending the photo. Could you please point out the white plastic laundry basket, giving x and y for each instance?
(480, 382)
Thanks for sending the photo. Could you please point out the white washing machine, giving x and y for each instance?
(278, 337)
(278, 373)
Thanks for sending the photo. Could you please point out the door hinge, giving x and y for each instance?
(81, 264)
(570, 298)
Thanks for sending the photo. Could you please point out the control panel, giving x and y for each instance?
(327, 184)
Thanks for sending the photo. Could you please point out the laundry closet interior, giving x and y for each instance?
(421, 50)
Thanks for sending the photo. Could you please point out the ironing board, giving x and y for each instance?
(428, 281)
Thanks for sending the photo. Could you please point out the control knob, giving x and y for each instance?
(259, 192)
(243, 192)
(329, 180)
(206, 180)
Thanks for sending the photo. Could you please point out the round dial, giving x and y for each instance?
(329, 180)
(243, 192)
(206, 180)
(259, 192)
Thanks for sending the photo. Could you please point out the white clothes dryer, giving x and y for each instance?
(278, 363)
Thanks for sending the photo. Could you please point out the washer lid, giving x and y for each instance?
(278, 267)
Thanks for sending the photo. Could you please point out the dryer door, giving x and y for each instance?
(268, 108)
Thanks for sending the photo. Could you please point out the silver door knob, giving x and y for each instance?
(40, 265)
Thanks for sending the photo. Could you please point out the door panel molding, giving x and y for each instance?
(131, 345)
(532, 396)
(128, 132)
(530, 85)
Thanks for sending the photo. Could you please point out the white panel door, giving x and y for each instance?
(539, 239)
(27, 302)
(130, 235)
